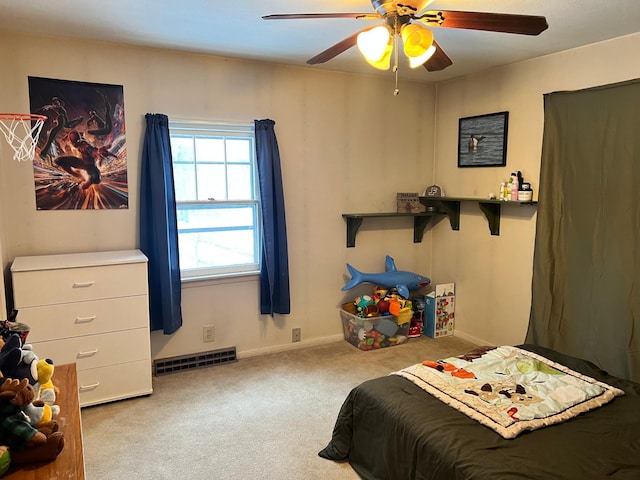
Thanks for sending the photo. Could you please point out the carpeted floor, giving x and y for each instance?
(262, 418)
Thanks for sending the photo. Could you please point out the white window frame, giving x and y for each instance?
(205, 129)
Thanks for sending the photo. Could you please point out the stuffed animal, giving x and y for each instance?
(39, 413)
(5, 459)
(18, 361)
(44, 387)
(42, 410)
(9, 355)
(26, 443)
(11, 325)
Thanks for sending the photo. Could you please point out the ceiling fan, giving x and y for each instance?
(402, 20)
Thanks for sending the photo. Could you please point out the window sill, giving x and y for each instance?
(192, 282)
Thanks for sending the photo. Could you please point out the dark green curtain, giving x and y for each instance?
(159, 227)
(586, 265)
(274, 267)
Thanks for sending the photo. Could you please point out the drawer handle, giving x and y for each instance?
(85, 319)
(84, 388)
(90, 353)
(82, 284)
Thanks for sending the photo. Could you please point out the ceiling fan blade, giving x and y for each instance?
(439, 60)
(299, 16)
(493, 22)
(336, 49)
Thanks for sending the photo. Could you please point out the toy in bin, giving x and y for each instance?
(402, 281)
(417, 318)
(377, 321)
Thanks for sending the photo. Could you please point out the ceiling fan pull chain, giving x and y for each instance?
(396, 91)
(395, 55)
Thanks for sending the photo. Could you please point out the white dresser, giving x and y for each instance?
(91, 309)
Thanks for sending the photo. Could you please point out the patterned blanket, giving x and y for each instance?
(509, 389)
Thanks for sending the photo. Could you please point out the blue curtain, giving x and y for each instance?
(158, 226)
(274, 270)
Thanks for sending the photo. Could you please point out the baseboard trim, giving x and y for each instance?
(332, 339)
(290, 346)
(471, 338)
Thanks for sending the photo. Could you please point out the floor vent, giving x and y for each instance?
(196, 360)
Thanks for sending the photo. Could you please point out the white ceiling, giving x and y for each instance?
(234, 28)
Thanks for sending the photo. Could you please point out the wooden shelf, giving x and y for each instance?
(420, 222)
(437, 207)
(491, 209)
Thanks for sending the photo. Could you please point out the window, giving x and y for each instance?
(214, 168)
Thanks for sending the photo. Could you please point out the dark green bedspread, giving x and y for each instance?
(388, 429)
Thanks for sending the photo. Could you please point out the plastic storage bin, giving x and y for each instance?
(375, 332)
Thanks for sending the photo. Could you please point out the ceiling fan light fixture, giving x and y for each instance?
(418, 44)
(385, 62)
(373, 44)
(415, 62)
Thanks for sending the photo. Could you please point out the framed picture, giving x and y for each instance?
(81, 155)
(482, 140)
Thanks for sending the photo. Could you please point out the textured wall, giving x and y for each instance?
(347, 145)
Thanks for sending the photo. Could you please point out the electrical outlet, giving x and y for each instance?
(209, 333)
(295, 335)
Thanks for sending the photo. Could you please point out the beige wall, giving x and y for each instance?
(347, 145)
(493, 273)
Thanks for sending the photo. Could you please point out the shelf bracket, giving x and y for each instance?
(353, 224)
(492, 214)
(354, 220)
(419, 226)
(449, 207)
(452, 209)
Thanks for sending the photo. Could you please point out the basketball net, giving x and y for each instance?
(21, 130)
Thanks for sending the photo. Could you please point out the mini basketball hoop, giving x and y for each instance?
(21, 130)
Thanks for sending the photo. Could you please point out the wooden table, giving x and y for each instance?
(69, 465)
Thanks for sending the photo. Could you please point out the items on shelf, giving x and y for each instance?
(409, 203)
(433, 191)
(515, 189)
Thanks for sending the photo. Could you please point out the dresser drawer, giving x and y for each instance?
(47, 287)
(92, 351)
(115, 382)
(85, 318)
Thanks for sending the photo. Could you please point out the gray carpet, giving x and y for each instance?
(261, 418)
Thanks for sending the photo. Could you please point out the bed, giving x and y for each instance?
(390, 428)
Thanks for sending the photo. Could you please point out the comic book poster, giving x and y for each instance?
(80, 161)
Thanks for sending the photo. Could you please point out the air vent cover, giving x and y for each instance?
(196, 360)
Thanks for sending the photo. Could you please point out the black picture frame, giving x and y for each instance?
(482, 140)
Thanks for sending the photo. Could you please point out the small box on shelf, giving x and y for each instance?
(409, 203)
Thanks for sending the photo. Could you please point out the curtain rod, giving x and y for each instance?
(210, 122)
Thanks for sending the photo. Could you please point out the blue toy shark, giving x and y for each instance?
(392, 277)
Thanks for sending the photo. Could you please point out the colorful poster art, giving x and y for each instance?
(81, 157)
